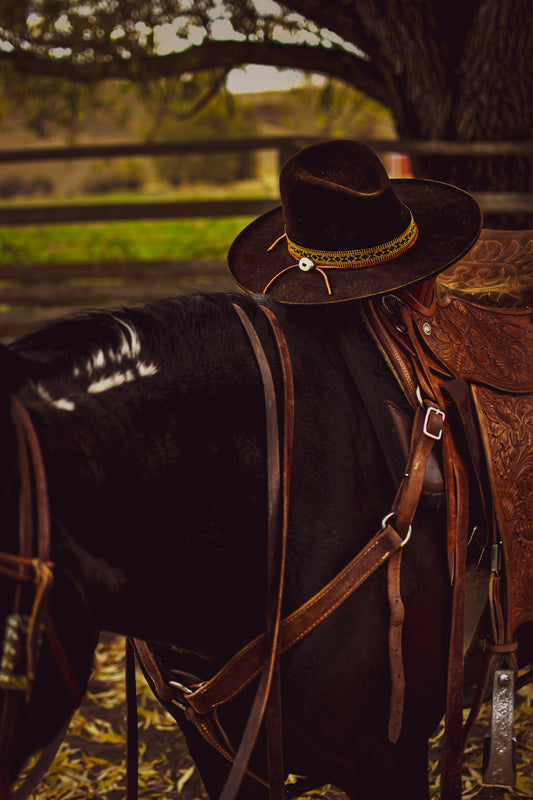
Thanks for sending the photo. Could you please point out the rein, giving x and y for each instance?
(29, 618)
(200, 700)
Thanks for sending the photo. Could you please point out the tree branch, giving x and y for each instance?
(336, 63)
(338, 16)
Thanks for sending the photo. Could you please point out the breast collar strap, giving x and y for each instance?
(200, 701)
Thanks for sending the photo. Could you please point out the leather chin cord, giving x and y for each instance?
(22, 634)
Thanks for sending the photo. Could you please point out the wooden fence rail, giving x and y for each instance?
(495, 202)
(506, 202)
(438, 147)
(30, 294)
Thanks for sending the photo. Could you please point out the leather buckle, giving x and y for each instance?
(437, 436)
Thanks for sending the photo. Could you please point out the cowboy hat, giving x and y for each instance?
(346, 231)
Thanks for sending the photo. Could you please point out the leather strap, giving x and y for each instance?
(392, 349)
(246, 664)
(34, 524)
(274, 724)
(452, 755)
(397, 677)
(132, 724)
(41, 766)
(277, 495)
(427, 429)
(267, 696)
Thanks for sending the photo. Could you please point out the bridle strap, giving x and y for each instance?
(33, 531)
(30, 454)
(41, 766)
(278, 495)
(34, 525)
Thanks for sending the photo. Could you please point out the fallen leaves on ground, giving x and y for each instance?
(92, 760)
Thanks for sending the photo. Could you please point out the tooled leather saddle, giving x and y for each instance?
(457, 344)
(491, 351)
(491, 348)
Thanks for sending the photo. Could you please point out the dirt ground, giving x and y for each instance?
(91, 761)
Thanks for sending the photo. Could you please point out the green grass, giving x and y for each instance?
(138, 240)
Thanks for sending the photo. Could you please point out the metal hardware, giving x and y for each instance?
(181, 687)
(499, 767)
(387, 305)
(391, 304)
(418, 393)
(439, 413)
(13, 647)
(407, 537)
(385, 521)
(480, 559)
(426, 328)
(472, 534)
(496, 559)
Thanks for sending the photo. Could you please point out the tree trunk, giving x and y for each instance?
(463, 78)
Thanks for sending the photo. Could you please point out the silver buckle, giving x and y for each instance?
(436, 436)
(385, 521)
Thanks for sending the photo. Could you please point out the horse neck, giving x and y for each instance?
(141, 515)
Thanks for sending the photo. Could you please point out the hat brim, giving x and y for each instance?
(449, 222)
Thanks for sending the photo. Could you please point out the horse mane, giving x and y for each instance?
(160, 324)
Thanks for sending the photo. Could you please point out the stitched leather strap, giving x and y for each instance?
(274, 725)
(279, 472)
(246, 664)
(426, 430)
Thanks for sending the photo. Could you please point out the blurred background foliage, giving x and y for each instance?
(122, 112)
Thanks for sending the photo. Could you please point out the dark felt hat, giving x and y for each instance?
(346, 231)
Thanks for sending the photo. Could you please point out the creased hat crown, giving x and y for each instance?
(340, 198)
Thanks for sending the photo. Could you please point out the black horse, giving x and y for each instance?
(151, 422)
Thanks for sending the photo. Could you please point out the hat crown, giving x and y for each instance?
(338, 196)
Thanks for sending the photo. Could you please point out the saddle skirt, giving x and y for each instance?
(492, 350)
(497, 271)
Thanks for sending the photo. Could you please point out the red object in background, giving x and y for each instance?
(398, 165)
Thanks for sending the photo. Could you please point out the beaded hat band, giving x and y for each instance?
(349, 259)
(345, 259)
